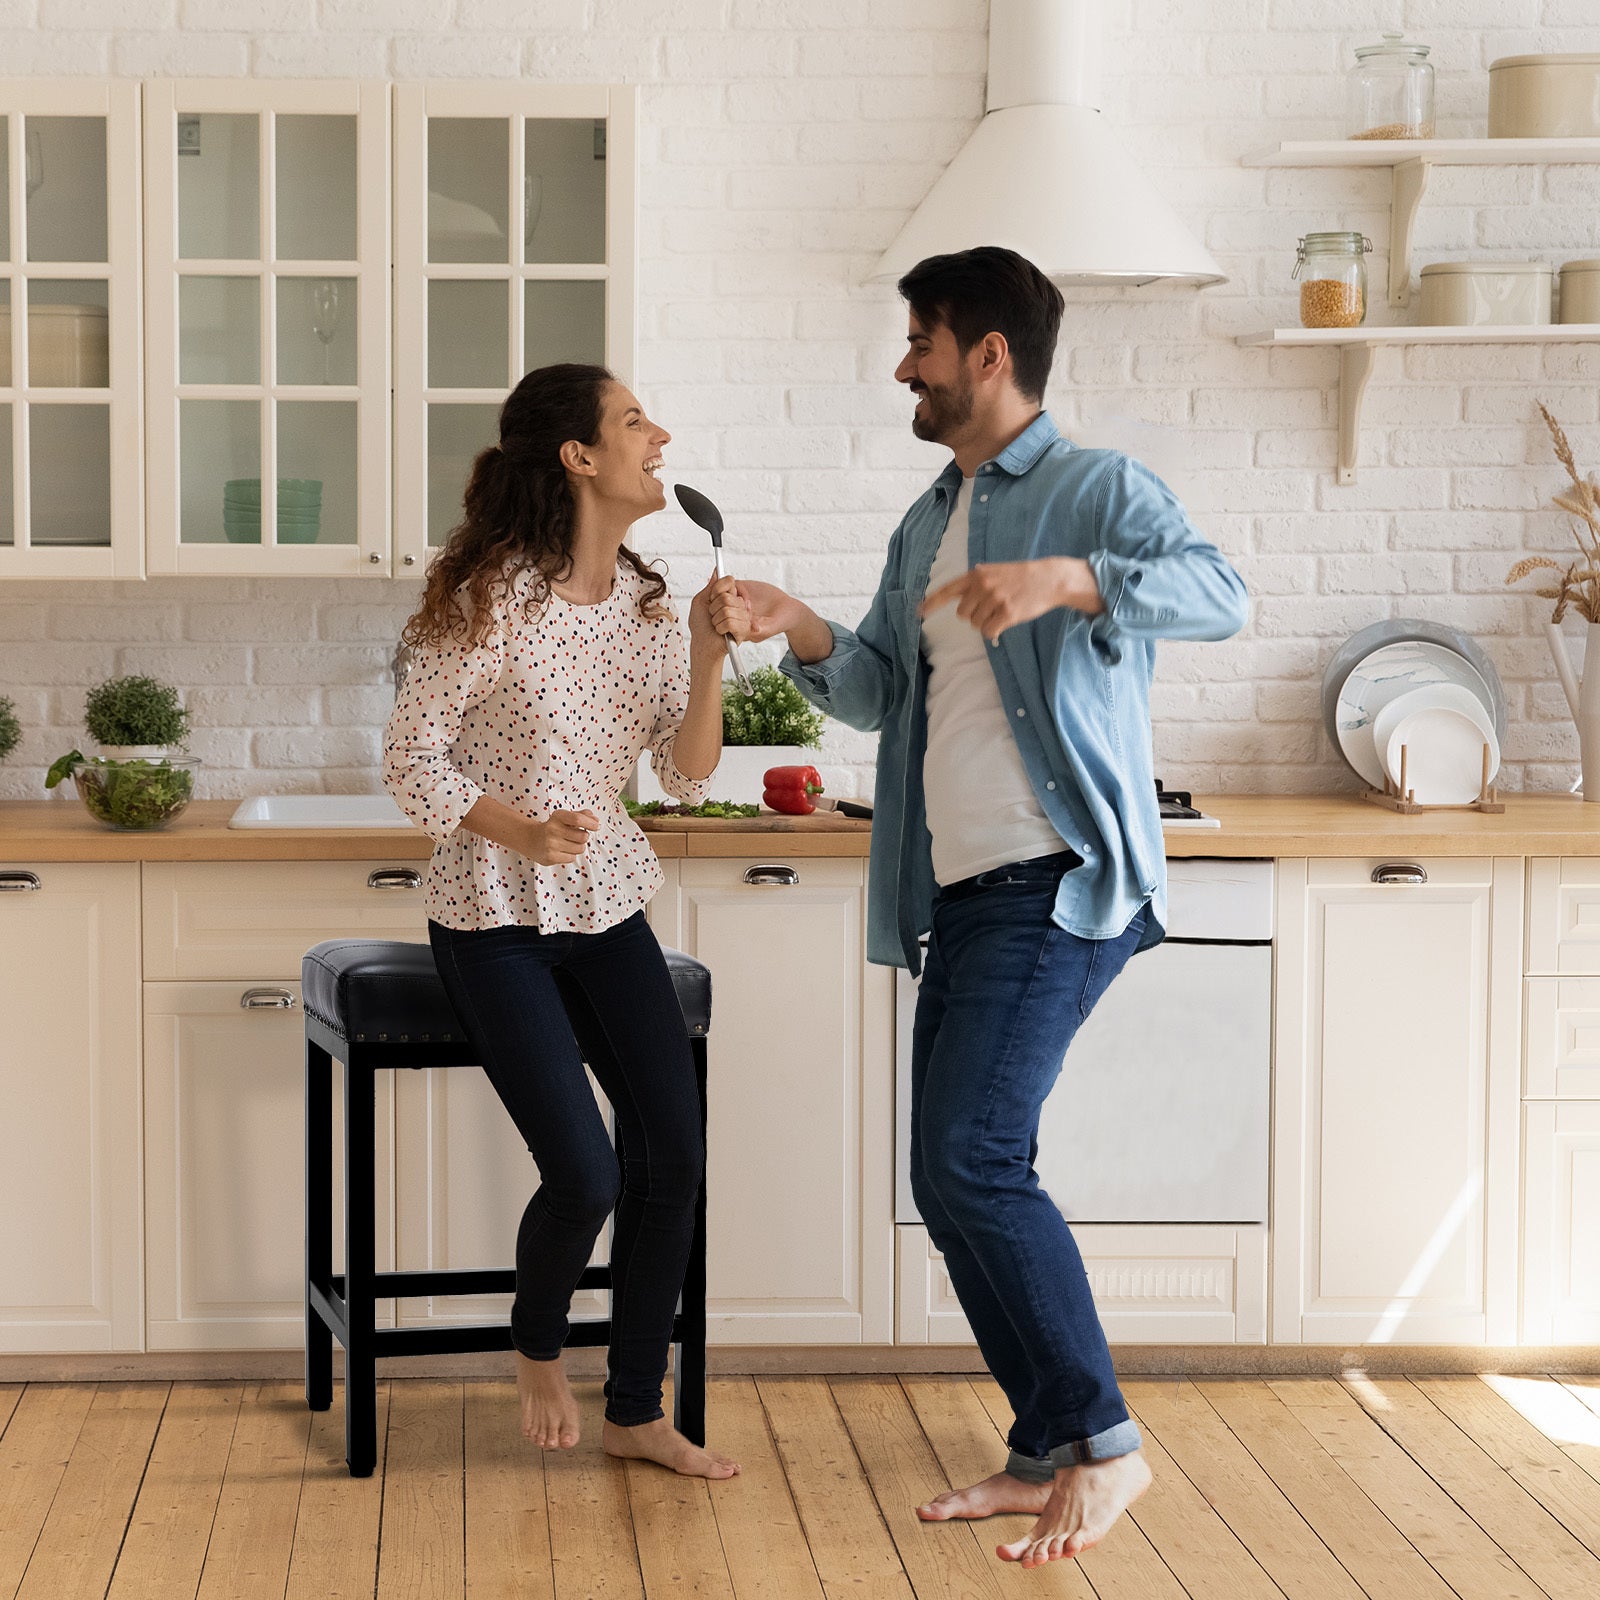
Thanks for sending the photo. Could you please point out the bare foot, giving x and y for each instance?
(990, 1498)
(659, 1441)
(1084, 1503)
(549, 1407)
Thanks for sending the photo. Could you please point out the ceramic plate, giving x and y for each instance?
(1399, 630)
(1385, 675)
(1444, 756)
(1434, 697)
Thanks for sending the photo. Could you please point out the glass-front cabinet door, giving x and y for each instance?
(267, 361)
(71, 495)
(514, 247)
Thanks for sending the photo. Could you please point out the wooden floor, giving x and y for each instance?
(1398, 1489)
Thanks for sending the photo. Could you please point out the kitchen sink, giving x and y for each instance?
(319, 811)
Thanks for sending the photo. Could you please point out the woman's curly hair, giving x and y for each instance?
(519, 512)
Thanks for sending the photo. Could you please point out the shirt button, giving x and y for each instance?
(1021, 712)
(1049, 786)
(983, 497)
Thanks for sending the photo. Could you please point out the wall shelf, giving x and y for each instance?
(1356, 347)
(1410, 161)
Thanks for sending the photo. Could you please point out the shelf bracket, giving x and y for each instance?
(1410, 180)
(1355, 367)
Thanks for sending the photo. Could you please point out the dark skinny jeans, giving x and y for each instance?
(536, 1007)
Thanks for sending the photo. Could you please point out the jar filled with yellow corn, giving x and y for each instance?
(1332, 271)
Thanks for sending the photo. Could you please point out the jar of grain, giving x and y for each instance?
(1391, 91)
(1332, 271)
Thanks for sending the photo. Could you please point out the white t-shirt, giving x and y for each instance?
(981, 808)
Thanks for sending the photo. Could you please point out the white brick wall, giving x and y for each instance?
(782, 145)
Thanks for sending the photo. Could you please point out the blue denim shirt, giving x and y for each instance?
(1076, 688)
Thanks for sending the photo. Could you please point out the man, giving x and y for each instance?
(1006, 659)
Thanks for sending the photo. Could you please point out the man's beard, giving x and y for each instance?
(947, 410)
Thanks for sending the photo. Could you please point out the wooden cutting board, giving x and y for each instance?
(772, 822)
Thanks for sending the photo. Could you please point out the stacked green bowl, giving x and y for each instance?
(299, 510)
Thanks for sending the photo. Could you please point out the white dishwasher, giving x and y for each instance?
(1161, 1112)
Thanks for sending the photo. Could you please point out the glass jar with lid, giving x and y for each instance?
(1332, 270)
(1391, 91)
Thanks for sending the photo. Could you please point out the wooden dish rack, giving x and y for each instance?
(1399, 796)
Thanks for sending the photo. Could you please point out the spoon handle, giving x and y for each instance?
(740, 676)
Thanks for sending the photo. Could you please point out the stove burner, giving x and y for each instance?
(1175, 802)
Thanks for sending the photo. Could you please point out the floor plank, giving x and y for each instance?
(422, 1527)
(165, 1547)
(944, 1560)
(253, 1533)
(1511, 1516)
(1442, 1533)
(33, 1459)
(335, 1553)
(1239, 1490)
(1531, 1460)
(675, 1530)
(592, 1549)
(759, 1527)
(854, 1553)
(10, 1394)
(969, 1449)
(1372, 1550)
(77, 1549)
(508, 1526)
(1557, 1413)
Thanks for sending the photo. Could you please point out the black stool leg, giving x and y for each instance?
(319, 1222)
(689, 1367)
(360, 1376)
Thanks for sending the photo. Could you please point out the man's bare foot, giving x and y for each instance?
(992, 1497)
(1084, 1503)
(549, 1407)
(659, 1441)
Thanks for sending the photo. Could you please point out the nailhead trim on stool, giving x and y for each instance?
(378, 1005)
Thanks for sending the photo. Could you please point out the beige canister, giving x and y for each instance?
(1544, 97)
(1580, 291)
(68, 347)
(1484, 294)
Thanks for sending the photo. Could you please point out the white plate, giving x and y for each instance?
(1433, 697)
(1444, 756)
(1386, 674)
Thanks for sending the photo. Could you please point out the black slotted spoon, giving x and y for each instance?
(702, 511)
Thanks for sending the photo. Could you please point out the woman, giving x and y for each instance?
(546, 658)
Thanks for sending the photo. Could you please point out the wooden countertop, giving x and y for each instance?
(1252, 825)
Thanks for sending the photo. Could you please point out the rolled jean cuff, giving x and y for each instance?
(628, 1419)
(1118, 1441)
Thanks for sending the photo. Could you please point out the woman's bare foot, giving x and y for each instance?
(992, 1497)
(549, 1407)
(659, 1441)
(1084, 1503)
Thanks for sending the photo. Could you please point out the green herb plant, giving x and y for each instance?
(777, 713)
(10, 728)
(135, 710)
(138, 793)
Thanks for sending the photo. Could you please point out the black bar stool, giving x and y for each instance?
(378, 1005)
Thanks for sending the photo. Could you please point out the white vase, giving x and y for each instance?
(738, 774)
(1584, 700)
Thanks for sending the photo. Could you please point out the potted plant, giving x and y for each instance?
(10, 728)
(760, 730)
(136, 781)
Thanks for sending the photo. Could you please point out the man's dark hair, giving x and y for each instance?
(990, 290)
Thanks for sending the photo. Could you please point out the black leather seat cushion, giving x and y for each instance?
(383, 990)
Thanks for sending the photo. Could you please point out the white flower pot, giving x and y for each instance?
(738, 774)
(135, 752)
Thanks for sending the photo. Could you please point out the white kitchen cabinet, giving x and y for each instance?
(1153, 1283)
(801, 1138)
(71, 470)
(1397, 1066)
(267, 357)
(514, 247)
(224, 1098)
(1564, 916)
(1561, 1223)
(1562, 1057)
(70, 1275)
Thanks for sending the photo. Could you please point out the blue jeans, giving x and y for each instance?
(1003, 992)
(536, 1007)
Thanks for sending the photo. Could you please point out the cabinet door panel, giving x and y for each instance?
(1563, 1033)
(69, 1186)
(1564, 915)
(1561, 1222)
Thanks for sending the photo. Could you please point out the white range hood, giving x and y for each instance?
(1043, 175)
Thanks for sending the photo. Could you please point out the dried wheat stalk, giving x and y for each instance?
(1579, 583)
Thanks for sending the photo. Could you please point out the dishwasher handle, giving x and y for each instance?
(1399, 872)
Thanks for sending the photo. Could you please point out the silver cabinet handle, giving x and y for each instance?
(1399, 872)
(394, 878)
(772, 875)
(267, 1000)
(19, 882)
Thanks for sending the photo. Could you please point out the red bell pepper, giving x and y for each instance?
(790, 789)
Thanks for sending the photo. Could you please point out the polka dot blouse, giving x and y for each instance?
(550, 714)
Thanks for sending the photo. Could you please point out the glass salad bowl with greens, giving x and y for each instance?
(134, 794)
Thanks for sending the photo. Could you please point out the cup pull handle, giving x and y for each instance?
(19, 882)
(394, 878)
(267, 1000)
(771, 875)
(1399, 872)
